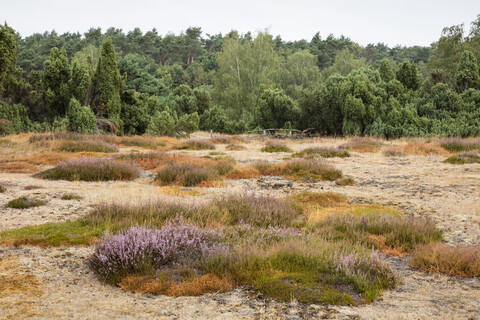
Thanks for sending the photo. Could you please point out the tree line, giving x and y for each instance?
(136, 83)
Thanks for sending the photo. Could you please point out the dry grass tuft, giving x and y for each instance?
(163, 284)
(462, 261)
(363, 145)
(420, 149)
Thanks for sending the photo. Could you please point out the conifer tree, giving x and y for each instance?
(108, 84)
(8, 50)
(56, 77)
(467, 75)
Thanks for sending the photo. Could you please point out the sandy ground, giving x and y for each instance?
(55, 282)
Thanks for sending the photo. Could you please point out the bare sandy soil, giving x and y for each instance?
(55, 282)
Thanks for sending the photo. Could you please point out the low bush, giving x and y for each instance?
(462, 261)
(87, 146)
(276, 146)
(186, 175)
(32, 187)
(459, 144)
(25, 203)
(235, 147)
(2, 189)
(310, 170)
(363, 144)
(195, 145)
(464, 158)
(323, 152)
(142, 142)
(345, 182)
(394, 153)
(90, 169)
(139, 250)
(390, 231)
(71, 196)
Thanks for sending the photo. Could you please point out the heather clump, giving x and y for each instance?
(324, 152)
(184, 174)
(310, 170)
(90, 169)
(363, 268)
(464, 158)
(459, 144)
(195, 145)
(276, 146)
(25, 203)
(88, 146)
(363, 144)
(140, 250)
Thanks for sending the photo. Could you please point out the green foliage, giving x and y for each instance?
(79, 81)
(24, 203)
(162, 124)
(6, 127)
(467, 75)
(8, 51)
(408, 75)
(188, 123)
(56, 78)
(16, 115)
(385, 70)
(80, 119)
(274, 109)
(108, 84)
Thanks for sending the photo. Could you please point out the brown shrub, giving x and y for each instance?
(462, 261)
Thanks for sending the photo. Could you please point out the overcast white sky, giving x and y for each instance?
(411, 22)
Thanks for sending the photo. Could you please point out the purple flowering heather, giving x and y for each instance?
(140, 249)
(370, 267)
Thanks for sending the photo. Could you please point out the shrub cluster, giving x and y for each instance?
(88, 146)
(464, 158)
(276, 146)
(323, 152)
(459, 145)
(186, 175)
(25, 203)
(139, 250)
(90, 169)
(195, 145)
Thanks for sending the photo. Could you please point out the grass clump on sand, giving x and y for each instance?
(90, 169)
(195, 145)
(276, 146)
(459, 144)
(235, 147)
(2, 189)
(323, 152)
(146, 142)
(462, 261)
(87, 146)
(186, 175)
(71, 196)
(363, 144)
(464, 158)
(345, 182)
(392, 152)
(25, 203)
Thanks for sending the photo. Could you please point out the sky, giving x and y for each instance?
(369, 21)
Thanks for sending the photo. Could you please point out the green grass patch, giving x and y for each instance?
(310, 170)
(71, 196)
(345, 182)
(25, 203)
(141, 142)
(276, 147)
(459, 144)
(464, 158)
